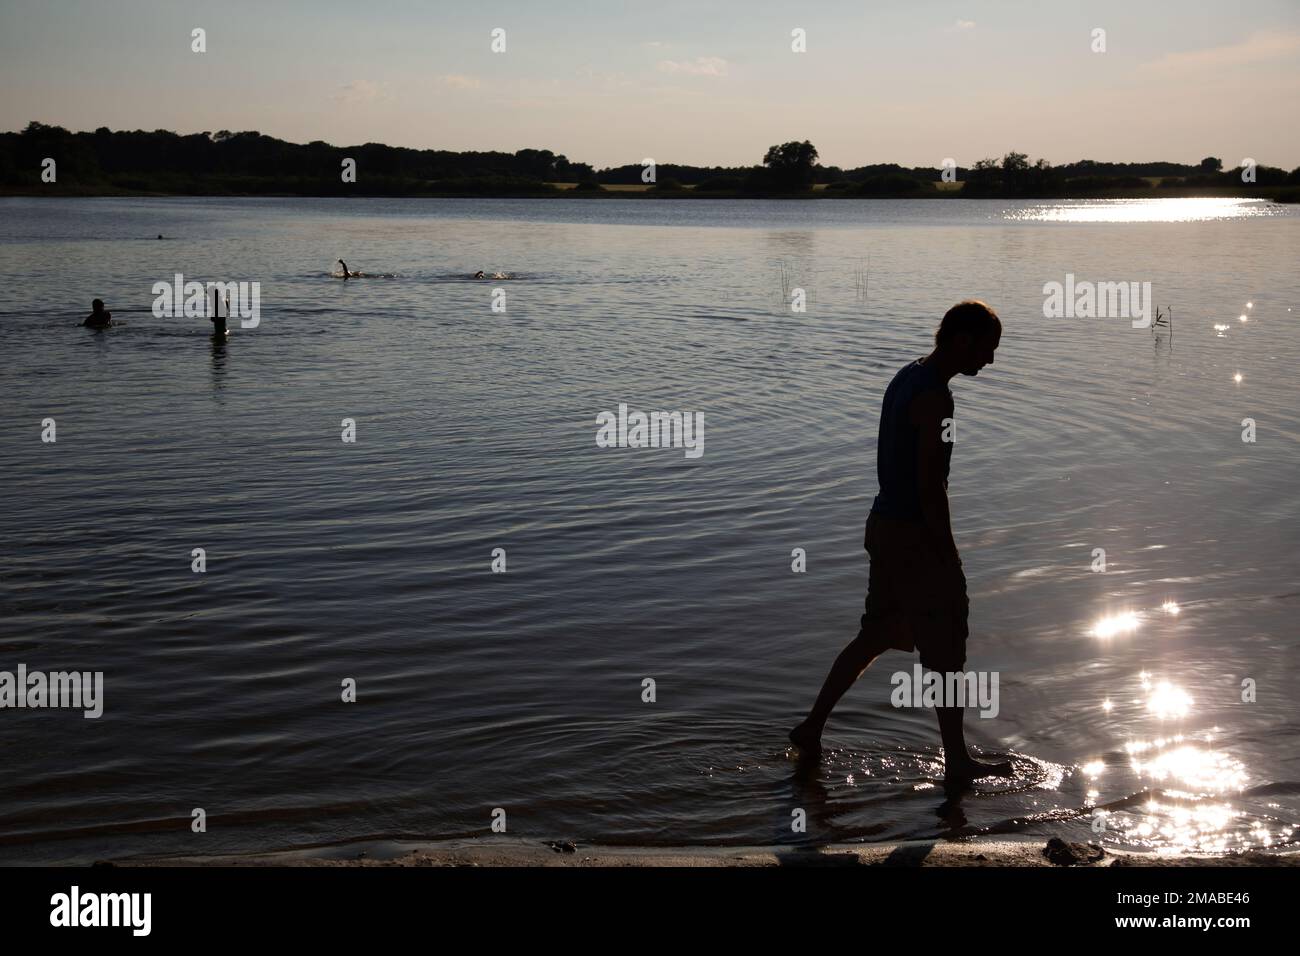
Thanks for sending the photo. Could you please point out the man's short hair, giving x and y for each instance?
(973, 317)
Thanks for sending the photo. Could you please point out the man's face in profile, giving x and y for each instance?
(980, 352)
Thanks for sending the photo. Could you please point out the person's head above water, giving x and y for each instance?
(967, 337)
(99, 318)
(479, 274)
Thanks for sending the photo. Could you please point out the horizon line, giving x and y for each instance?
(658, 163)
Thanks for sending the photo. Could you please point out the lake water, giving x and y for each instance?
(475, 430)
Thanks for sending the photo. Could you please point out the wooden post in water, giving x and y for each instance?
(218, 322)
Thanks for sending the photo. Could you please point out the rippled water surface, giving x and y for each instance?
(1162, 691)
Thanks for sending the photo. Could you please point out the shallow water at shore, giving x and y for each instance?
(476, 430)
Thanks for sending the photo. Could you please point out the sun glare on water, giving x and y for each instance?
(1167, 701)
(1123, 623)
(1193, 770)
(1196, 209)
(1189, 781)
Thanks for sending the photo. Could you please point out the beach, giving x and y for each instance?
(917, 853)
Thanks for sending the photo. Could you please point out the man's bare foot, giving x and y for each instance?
(963, 771)
(808, 740)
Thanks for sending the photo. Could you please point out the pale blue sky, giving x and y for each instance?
(693, 82)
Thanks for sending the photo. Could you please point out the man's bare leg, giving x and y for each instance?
(848, 667)
(959, 767)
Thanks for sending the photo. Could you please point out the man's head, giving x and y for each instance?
(97, 305)
(970, 332)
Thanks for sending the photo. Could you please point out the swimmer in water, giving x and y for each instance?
(98, 318)
(479, 275)
(345, 269)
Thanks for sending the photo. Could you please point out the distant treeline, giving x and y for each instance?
(105, 162)
(695, 175)
(226, 162)
(1012, 176)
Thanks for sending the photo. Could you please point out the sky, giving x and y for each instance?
(702, 83)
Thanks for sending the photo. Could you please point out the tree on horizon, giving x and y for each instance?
(791, 165)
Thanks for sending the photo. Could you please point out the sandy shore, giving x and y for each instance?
(512, 853)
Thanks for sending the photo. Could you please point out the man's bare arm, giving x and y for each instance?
(927, 413)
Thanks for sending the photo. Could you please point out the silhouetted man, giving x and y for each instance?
(98, 318)
(916, 595)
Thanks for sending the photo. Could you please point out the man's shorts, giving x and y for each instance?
(913, 599)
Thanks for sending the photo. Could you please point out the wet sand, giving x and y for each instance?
(929, 853)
